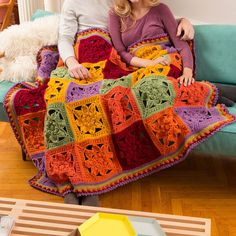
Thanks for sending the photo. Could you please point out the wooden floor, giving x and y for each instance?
(201, 186)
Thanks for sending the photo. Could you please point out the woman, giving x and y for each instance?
(135, 20)
(131, 19)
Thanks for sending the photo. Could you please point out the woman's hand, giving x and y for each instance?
(187, 78)
(185, 29)
(77, 70)
(140, 62)
(160, 60)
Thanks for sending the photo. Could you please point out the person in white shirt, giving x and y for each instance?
(78, 15)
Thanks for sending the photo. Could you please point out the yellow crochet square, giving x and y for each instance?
(87, 118)
(159, 70)
(56, 90)
(95, 69)
(150, 52)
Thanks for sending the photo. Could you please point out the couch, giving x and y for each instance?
(215, 62)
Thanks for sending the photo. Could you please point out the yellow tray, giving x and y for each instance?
(103, 224)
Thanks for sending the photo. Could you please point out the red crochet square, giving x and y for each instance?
(29, 101)
(113, 71)
(94, 49)
(97, 159)
(134, 147)
(121, 108)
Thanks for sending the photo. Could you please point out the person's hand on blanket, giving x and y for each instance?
(187, 78)
(160, 60)
(185, 30)
(140, 62)
(77, 70)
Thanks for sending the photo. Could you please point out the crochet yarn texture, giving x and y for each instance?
(91, 136)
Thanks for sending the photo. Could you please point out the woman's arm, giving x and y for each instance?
(67, 32)
(171, 27)
(114, 26)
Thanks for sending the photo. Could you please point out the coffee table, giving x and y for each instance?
(37, 218)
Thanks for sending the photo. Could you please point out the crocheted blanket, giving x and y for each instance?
(91, 136)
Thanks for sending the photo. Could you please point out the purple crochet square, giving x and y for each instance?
(48, 64)
(47, 182)
(76, 92)
(198, 118)
(39, 161)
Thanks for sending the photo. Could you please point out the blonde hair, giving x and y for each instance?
(123, 9)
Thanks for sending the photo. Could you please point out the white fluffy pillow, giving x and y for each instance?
(20, 45)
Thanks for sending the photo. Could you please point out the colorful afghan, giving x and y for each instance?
(92, 136)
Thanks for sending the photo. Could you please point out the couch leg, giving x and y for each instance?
(23, 155)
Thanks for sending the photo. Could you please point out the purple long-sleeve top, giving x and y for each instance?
(157, 21)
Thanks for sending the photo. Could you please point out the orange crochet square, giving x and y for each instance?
(98, 160)
(62, 165)
(191, 96)
(176, 60)
(87, 118)
(32, 128)
(121, 108)
(167, 130)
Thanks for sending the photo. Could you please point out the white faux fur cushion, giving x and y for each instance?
(20, 44)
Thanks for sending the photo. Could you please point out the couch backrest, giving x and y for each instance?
(215, 49)
(41, 13)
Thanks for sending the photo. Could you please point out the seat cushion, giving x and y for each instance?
(223, 142)
(5, 86)
(215, 49)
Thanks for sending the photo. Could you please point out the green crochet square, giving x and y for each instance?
(57, 128)
(61, 72)
(154, 94)
(109, 84)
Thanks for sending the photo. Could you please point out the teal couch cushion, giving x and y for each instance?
(40, 13)
(4, 87)
(215, 48)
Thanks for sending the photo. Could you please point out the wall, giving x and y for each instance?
(53, 5)
(28, 7)
(209, 11)
(199, 11)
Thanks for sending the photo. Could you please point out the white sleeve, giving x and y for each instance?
(67, 30)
